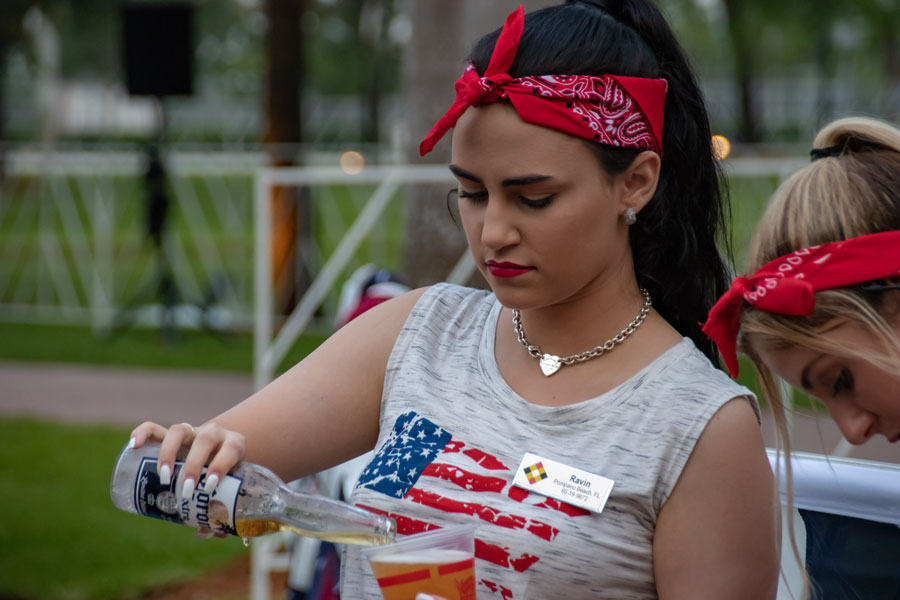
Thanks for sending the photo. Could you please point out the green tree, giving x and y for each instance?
(883, 20)
(12, 17)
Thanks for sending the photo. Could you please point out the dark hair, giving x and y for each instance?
(674, 242)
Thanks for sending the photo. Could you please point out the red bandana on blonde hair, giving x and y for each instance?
(608, 109)
(787, 285)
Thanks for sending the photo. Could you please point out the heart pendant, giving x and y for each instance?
(550, 364)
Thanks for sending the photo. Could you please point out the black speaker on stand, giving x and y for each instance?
(158, 52)
(159, 48)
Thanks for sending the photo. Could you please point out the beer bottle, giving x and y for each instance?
(248, 502)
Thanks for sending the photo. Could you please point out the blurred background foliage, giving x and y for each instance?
(773, 70)
(352, 48)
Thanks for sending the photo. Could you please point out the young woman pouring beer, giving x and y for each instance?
(590, 200)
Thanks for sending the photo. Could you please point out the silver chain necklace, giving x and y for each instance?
(550, 363)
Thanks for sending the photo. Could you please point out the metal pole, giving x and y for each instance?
(262, 296)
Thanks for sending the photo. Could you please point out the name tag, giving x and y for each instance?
(562, 482)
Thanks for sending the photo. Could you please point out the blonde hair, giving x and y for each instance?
(854, 189)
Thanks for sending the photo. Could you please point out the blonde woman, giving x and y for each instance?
(820, 306)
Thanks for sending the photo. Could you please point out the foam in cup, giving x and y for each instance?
(439, 563)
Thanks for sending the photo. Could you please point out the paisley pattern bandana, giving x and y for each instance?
(787, 285)
(608, 109)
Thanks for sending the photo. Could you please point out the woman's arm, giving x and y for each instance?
(717, 534)
(321, 412)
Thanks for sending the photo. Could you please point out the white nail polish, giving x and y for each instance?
(165, 475)
(131, 443)
(211, 482)
(187, 492)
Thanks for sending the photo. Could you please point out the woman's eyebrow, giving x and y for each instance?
(511, 181)
(525, 180)
(804, 376)
(463, 174)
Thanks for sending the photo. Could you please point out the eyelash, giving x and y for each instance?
(843, 382)
(530, 202)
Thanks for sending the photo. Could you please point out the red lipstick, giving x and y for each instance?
(507, 269)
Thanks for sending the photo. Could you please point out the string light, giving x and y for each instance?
(721, 146)
(352, 162)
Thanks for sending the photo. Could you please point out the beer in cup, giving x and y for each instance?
(440, 563)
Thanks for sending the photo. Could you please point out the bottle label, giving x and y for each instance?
(202, 510)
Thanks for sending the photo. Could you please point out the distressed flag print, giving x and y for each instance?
(414, 458)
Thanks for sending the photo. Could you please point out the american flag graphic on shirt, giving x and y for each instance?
(416, 448)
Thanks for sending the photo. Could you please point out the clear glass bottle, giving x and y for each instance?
(248, 502)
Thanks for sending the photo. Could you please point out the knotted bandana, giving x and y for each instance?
(608, 109)
(787, 285)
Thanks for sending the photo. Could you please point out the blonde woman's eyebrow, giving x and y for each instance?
(804, 376)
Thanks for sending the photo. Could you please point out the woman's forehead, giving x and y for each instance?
(788, 362)
(494, 133)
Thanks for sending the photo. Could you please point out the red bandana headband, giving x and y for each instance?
(609, 109)
(787, 285)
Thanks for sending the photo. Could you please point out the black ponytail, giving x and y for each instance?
(675, 240)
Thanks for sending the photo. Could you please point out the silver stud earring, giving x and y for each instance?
(630, 217)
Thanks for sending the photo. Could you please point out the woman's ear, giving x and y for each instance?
(638, 182)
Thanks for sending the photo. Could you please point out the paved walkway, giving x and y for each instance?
(113, 395)
(125, 396)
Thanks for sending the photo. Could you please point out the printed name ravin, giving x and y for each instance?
(577, 481)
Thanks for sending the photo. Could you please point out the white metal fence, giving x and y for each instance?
(74, 243)
(269, 352)
(74, 248)
(73, 236)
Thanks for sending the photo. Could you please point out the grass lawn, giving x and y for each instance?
(62, 539)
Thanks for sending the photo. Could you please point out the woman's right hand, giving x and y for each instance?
(209, 444)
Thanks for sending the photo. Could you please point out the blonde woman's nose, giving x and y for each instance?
(856, 425)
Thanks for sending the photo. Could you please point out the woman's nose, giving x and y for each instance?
(856, 425)
(499, 229)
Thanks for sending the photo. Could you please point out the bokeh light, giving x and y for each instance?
(721, 146)
(352, 162)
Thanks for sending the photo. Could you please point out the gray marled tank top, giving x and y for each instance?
(453, 433)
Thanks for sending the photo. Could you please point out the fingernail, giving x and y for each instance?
(205, 534)
(187, 492)
(165, 475)
(131, 443)
(211, 482)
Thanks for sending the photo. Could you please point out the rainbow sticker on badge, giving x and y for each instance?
(535, 473)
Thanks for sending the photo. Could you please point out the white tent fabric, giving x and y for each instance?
(862, 489)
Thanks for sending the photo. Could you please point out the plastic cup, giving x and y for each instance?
(440, 563)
